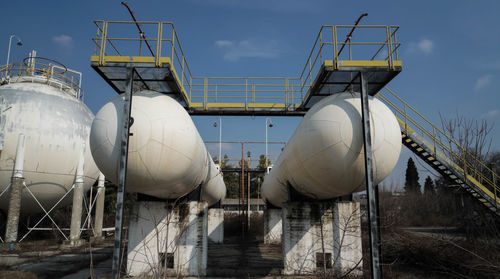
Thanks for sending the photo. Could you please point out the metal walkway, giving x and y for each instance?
(160, 64)
(443, 153)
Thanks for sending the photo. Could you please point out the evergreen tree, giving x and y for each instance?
(411, 179)
(429, 189)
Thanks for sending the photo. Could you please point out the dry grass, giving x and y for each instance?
(10, 274)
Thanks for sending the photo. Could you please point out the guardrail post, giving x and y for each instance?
(173, 43)
(389, 52)
(334, 38)
(434, 141)
(103, 44)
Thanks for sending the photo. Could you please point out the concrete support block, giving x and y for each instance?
(321, 236)
(347, 236)
(216, 225)
(168, 240)
(273, 225)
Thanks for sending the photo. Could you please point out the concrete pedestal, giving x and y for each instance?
(168, 240)
(273, 226)
(216, 225)
(322, 236)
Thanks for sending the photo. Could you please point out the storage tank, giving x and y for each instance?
(43, 102)
(325, 156)
(166, 157)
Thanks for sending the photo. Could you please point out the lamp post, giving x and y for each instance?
(220, 140)
(19, 43)
(270, 126)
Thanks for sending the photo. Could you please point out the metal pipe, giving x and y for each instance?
(348, 39)
(19, 43)
(242, 188)
(220, 141)
(138, 27)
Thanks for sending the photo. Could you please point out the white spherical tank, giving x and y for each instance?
(56, 127)
(325, 156)
(166, 158)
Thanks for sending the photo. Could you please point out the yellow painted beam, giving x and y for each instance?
(362, 63)
(225, 105)
(266, 105)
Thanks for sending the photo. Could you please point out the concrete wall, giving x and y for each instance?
(216, 225)
(347, 237)
(273, 226)
(314, 229)
(155, 229)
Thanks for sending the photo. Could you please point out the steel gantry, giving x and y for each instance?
(365, 66)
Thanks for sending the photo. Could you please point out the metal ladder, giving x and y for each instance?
(443, 153)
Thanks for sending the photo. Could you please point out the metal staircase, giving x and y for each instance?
(443, 153)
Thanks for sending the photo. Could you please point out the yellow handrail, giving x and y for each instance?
(470, 166)
(166, 43)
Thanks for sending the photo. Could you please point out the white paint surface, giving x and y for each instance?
(167, 157)
(55, 126)
(325, 157)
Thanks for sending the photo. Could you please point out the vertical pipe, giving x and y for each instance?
(248, 195)
(220, 142)
(242, 189)
(370, 189)
(15, 193)
(76, 211)
(99, 207)
(122, 173)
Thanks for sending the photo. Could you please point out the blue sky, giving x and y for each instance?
(450, 50)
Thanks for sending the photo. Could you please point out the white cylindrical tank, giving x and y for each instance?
(56, 125)
(325, 157)
(167, 157)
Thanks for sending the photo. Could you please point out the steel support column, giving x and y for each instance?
(122, 173)
(16, 190)
(99, 208)
(370, 189)
(76, 210)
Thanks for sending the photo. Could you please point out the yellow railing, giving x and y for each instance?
(443, 147)
(246, 91)
(59, 76)
(332, 43)
(164, 43)
(160, 39)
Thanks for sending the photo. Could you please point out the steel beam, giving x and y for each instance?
(122, 173)
(370, 189)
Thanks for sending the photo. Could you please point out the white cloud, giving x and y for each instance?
(491, 113)
(235, 50)
(223, 43)
(482, 82)
(63, 41)
(425, 46)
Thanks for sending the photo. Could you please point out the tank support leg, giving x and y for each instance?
(15, 193)
(122, 173)
(370, 189)
(99, 209)
(76, 213)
